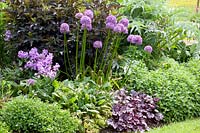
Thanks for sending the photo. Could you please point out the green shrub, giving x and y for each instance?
(91, 102)
(177, 88)
(31, 115)
(194, 67)
(3, 128)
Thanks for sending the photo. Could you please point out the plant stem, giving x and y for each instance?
(82, 61)
(104, 51)
(95, 60)
(66, 52)
(116, 45)
(77, 42)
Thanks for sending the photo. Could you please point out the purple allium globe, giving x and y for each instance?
(110, 26)
(135, 39)
(89, 13)
(119, 28)
(86, 26)
(85, 20)
(22, 54)
(111, 19)
(148, 48)
(8, 35)
(78, 15)
(124, 21)
(64, 28)
(30, 81)
(97, 44)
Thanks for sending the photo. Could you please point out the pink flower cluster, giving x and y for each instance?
(85, 19)
(41, 63)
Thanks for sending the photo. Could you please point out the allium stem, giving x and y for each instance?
(82, 61)
(95, 60)
(66, 52)
(104, 51)
(116, 45)
(77, 42)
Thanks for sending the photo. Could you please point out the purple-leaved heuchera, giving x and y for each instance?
(134, 111)
(40, 62)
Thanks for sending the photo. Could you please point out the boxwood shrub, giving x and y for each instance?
(3, 128)
(32, 115)
(175, 85)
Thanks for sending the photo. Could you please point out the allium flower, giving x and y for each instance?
(8, 35)
(64, 28)
(30, 81)
(97, 44)
(135, 39)
(148, 48)
(110, 26)
(89, 13)
(86, 26)
(124, 21)
(85, 20)
(22, 54)
(119, 28)
(111, 19)
(79, 15)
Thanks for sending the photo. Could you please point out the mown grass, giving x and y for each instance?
(188, 126)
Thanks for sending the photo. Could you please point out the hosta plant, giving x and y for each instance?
(134, 112)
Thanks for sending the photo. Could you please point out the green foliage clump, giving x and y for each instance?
(177, 88)
(159, 27)
(91, 102)
(3, 128)
(194, 67)
(32, 115)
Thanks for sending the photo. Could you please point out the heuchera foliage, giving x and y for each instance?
(134, 112)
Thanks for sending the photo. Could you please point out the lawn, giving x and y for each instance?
(189, 126)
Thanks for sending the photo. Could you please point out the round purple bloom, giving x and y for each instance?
(111, 19)
(79, 15)
(124, 21)
(135, 39)
(118, 28)
(125, 30)
(97, 44)
(110, 26)
(86, 26)
(8, 35)
(30, 81)
(85, 20)
(22, 54)
(89, 13)
(64, 28)
(148, 48)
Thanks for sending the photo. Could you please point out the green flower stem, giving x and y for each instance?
(129, 66)
(95, 60)
(82, 61)
(66, 52)
(103, 53)
(116, 45)
(77, 42)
